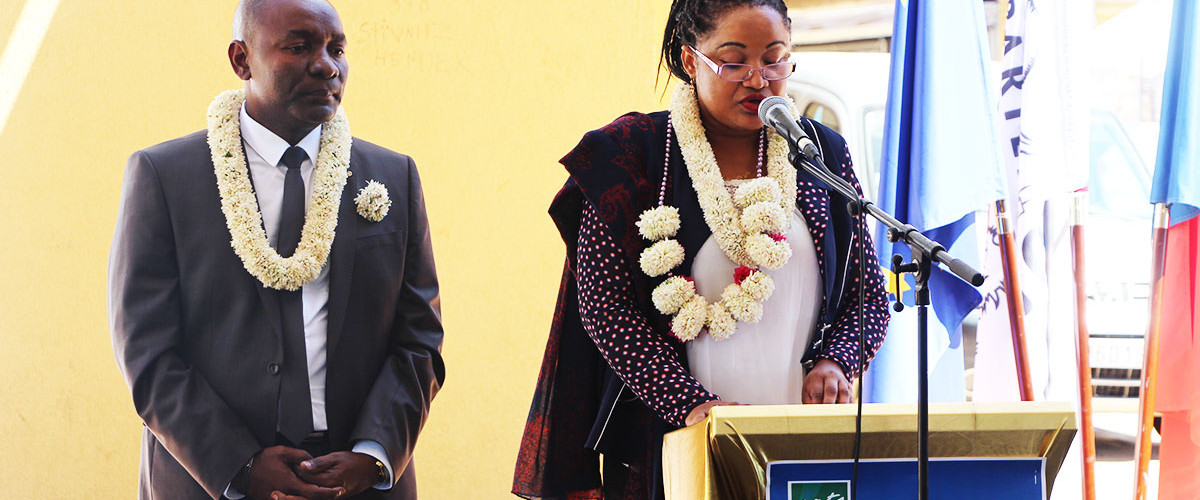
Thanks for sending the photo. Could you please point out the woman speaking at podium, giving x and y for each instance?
(702, 269)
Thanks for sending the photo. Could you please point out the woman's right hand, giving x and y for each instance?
(700, 412)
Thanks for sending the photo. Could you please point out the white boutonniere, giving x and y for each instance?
(373, 201)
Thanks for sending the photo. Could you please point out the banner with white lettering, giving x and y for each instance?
(1045, 135)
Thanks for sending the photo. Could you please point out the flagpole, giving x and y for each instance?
(1016, 306)
(1142, 446)
(1082, 356)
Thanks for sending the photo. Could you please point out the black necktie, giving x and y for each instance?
(295, 401)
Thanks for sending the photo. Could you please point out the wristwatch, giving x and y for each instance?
(383, 473)
(241, 481)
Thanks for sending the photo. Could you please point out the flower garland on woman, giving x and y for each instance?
(701, 269)
(748, 226)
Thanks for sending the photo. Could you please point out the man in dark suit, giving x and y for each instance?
(274, 308)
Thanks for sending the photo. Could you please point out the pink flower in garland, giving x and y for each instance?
(741, 273)
(778, 237)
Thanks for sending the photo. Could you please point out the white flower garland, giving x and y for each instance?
(720, 213)
(748, 226)
(238, 203)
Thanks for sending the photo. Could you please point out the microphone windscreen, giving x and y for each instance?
(767, 105)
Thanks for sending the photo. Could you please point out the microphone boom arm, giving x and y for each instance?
(776, 112)
(811, 162)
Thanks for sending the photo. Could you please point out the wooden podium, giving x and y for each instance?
(725, 457)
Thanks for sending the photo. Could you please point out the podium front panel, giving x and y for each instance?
(896, 479)
(726, 457)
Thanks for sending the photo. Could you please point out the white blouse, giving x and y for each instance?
(761, 362)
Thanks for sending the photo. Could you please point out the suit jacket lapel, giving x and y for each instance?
(270, 301)
(269, 296)
(341, 260)
(814, 204)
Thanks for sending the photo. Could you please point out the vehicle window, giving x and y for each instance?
(873, 129)
(823, 114)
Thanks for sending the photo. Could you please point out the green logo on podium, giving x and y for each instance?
(819, 490)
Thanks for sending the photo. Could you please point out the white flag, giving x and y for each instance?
(1045, 133)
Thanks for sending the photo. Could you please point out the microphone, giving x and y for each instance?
(775, 112)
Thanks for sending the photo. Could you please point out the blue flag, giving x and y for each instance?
(1177, 183)
(1177, 171)
(941, 162)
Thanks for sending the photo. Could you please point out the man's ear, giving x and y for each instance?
(238, 55)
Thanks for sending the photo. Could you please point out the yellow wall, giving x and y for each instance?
(485, 95)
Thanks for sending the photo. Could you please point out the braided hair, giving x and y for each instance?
(690, 20)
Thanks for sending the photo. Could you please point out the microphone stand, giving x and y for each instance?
(924, 252)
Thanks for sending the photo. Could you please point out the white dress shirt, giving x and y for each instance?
(264, 155)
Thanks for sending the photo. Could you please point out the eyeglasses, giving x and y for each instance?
(741, 72)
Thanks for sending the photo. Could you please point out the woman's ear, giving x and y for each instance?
(689, 61)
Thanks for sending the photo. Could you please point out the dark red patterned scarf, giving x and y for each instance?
(557, 459)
